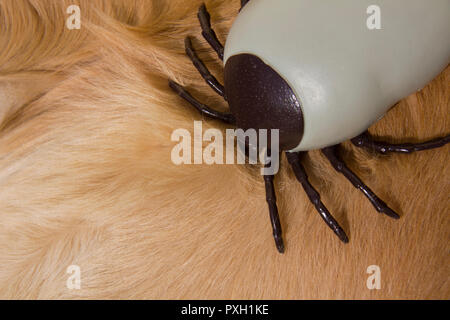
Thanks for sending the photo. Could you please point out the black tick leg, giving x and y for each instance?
(314, 196)
(365, 140)
(273, 212)
(207, 32)
(340, 166)
(243, 3)
(202, 108)
(204, 72)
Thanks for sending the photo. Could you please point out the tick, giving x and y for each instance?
(313, 70)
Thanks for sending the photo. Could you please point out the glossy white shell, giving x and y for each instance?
(345, 75)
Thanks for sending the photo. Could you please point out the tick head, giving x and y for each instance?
(259, 98)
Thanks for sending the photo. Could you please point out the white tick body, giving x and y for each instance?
(345, 75)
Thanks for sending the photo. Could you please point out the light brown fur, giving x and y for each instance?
(86, 178)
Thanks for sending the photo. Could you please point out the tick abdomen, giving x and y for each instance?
(344, 75)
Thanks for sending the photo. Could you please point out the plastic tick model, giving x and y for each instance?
(314, 70)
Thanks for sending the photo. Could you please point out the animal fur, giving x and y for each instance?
(86, 177)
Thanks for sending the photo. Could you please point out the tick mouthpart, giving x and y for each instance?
(259, 98)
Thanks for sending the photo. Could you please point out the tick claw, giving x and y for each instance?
(342, 236)
(280, 245)
(391, 213)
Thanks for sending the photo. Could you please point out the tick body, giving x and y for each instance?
(344, 75)
(315, 71)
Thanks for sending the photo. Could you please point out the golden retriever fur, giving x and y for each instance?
(86, 177)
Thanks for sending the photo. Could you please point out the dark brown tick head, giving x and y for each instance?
(259, 98)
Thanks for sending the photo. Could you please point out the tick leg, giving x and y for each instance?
(340, 166)
(203, 109)
(314, 196)
(243, 3)
(207, 32)
(273, 211)
(366, 141)
(209, 78)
